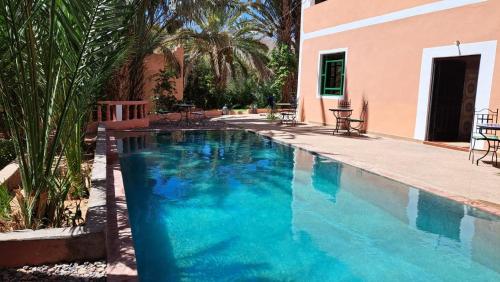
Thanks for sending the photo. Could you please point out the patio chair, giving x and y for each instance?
(342, 118)
(484, 116)
(166, 113)
(359, 123)
(199, 115)
(289, 115)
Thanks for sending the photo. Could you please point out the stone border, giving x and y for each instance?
(121, 260)
(46, 246)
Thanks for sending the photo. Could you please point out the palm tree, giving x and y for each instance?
(55, 56)
(154, 21)
(280, 20)
(222, 33)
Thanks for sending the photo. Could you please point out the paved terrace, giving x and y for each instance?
(443, 171)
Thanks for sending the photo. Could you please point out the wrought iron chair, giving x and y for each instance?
(359, 122)
(166, 115)
(199, 115)
(484, 116)
(289, 115)
(342, 118)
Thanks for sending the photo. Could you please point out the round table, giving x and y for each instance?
(484, 127)
(342, 116)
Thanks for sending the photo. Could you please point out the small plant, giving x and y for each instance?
(271, 115)
(5, 199)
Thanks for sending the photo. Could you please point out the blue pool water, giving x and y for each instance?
(232, 206)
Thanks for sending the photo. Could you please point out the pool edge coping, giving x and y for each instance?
(121, 259)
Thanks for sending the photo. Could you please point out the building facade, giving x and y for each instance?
(420, 67)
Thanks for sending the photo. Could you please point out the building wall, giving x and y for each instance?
(385, 41)
(352, 10)
(153, 64)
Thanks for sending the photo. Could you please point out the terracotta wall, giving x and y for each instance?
(153, 64)
(384, 60)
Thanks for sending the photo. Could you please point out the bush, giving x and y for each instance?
(263, 91)
(7, 152)
(164, 98)
(241, 94)
(200, 88)
(243, 91)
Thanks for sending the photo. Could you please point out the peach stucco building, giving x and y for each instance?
(422, 66)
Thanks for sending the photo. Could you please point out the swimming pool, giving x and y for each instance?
(234, 206)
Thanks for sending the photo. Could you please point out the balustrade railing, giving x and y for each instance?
(122, 114)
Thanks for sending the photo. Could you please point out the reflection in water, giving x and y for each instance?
(173, 188)
(326, 177)
(458, 229)
(132, 144)
(232, 206)
(438, 216)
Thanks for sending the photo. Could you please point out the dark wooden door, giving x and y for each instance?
(446, 100)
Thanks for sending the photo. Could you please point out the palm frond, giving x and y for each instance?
(55, 55)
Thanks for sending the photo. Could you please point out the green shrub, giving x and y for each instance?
(263, 91)
(200, 88)
(5, 199)
(241, 93)
(164, 97)
(7, 152)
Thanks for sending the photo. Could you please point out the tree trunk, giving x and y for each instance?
(136, 78)
(286, 39)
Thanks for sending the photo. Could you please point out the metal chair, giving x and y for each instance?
(360, 122)
(342, 118)
(199, 115)
(289, 115)
(484, 116)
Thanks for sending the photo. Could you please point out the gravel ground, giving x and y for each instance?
(86, 271)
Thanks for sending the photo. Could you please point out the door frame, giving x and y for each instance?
(486, 49)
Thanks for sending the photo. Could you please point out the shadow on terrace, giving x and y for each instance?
(261, 124)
